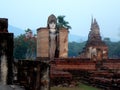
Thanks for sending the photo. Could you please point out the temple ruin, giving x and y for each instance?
(92, 66)
(6, 53)
(95, 48)
(53, 66)
(43, 43)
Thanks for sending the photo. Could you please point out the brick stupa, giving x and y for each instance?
(95, 48)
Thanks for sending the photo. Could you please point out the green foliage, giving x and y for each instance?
(114, 49)
(80, 87)
(86, 87)
(24, 48)
(107, 39)
(28, 30)
(20, 47)
(62, 23)
(75, 48)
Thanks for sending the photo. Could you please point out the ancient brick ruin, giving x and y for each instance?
(92, 66)
(95, 48)
(43, 43)
(6, 53)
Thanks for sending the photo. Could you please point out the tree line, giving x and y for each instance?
(25, 47)
(113, 48)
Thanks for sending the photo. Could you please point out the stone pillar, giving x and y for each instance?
(63, 43)
(6, 56)
(6, 53)
(43, 43)
(43, 73)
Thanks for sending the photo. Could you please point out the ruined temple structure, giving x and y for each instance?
(95, 48)
(60, 69)
(51, 44)
(43, 41)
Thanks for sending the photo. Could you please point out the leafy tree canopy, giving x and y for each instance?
(62, 23)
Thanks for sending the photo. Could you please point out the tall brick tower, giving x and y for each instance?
(95, 48)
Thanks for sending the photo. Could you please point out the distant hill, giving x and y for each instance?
(15, 30)
(76, 38)
(71, 37)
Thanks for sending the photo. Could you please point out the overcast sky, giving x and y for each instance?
(34, 14)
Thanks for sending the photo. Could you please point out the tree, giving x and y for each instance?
(62, 23)
(75, 48)
(113, 49)
(20, 47)
(25, 45)
(106, 39)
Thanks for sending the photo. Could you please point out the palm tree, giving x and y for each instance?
(62, 23)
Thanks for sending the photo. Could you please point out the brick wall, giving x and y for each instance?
(63, 42)
(43, 42)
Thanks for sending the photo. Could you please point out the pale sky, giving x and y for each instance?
(34, 14)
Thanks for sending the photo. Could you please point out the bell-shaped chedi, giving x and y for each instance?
(95, 48)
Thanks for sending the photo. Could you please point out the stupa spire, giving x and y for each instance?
(91, 21)
(95, 25)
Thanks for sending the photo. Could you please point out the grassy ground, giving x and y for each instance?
(81, 87)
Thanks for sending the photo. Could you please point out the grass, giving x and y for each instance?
(86, 87)
(80, 87)
(65, 88)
